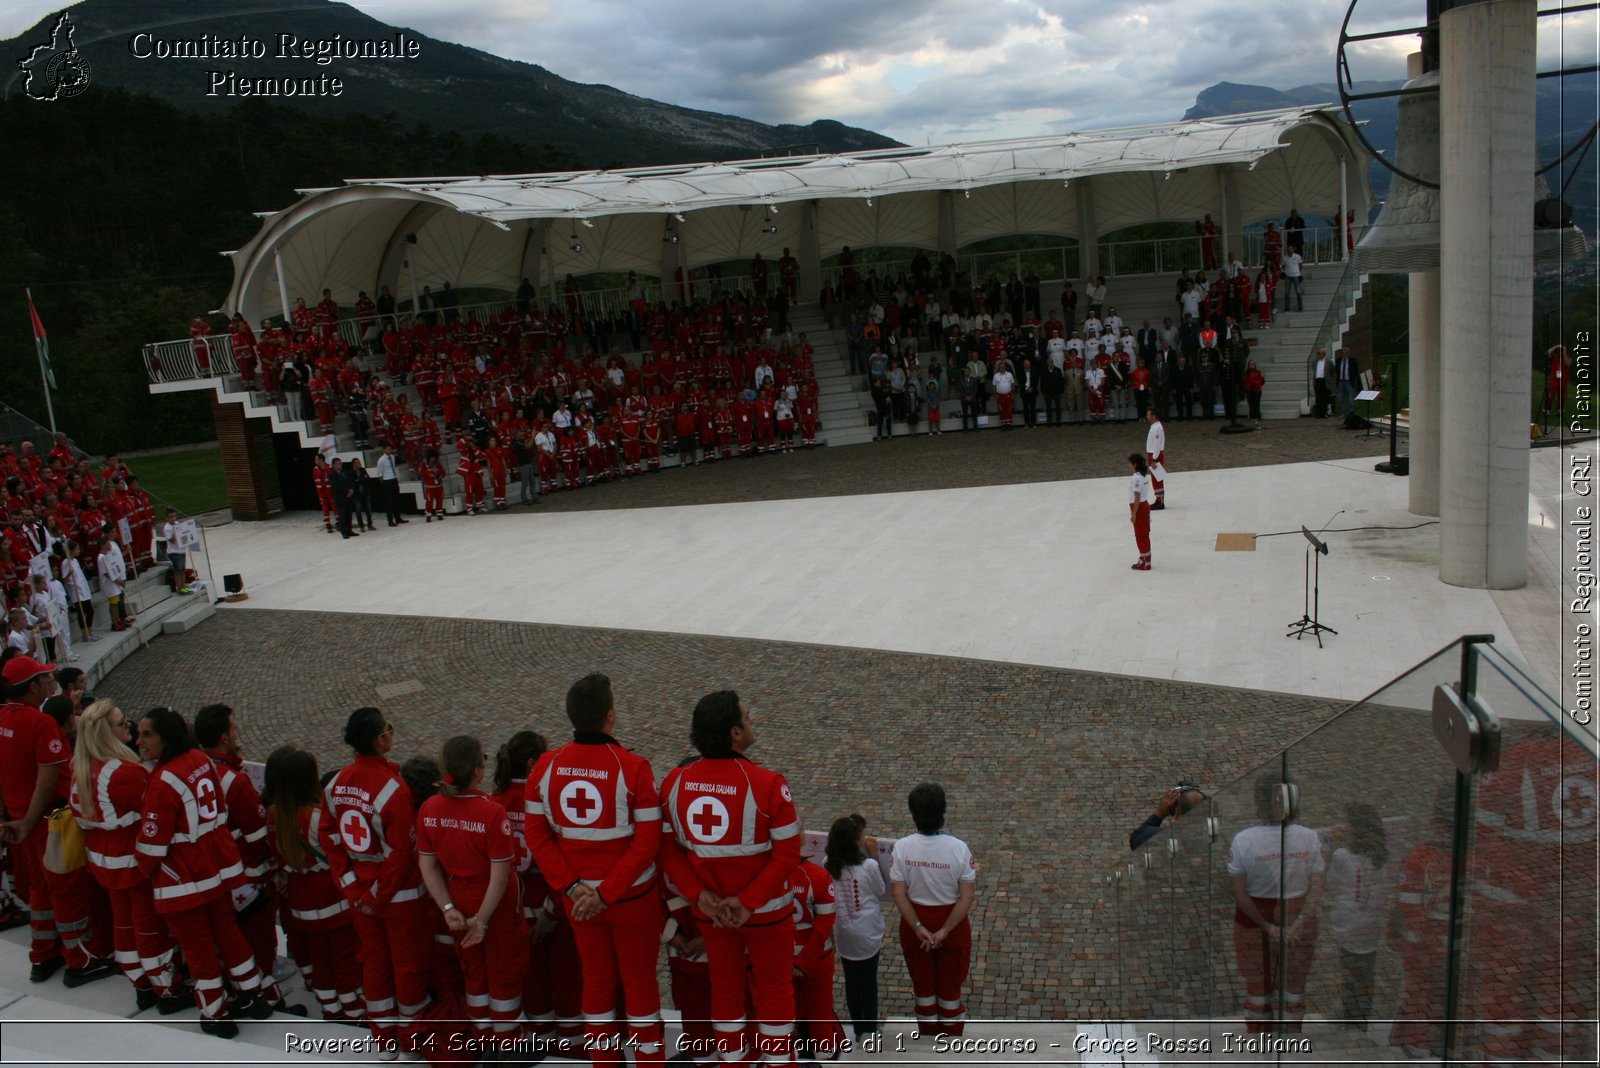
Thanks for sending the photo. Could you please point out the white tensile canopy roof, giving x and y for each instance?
(492, 231)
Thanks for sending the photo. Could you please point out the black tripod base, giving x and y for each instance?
(1306, 625)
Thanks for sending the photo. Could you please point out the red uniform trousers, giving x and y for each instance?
(1141, 531)
(494, 970)
(1264, 312)
(325, 412)
(330, 964)
(1158, 486)
(808, 430)
(497, 483)
(247, 369)
(1257, 958)
(569, 470)
(59, 906)
(260, 928)
(620, 946)
(752, 964)
(394, 960)
(937, 976)
(325, 499)
(142, 945)
(553, 1003)
(1006, 402)
(472, 487)
(631, 452)
(444, 964)
(433, 500)
(1097, 404)
(934, 415)
(652, 454)
(823, 1037)
(691, 996)
(549, 470)
(214, 948)
(766, 435)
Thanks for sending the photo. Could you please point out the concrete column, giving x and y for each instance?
(671, 256)
(1088, 236)
(1424, 392)
(1486, 290)
(1227, 216)
(810, 254)
(533, 253)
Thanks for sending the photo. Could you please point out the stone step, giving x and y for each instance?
(191, 615)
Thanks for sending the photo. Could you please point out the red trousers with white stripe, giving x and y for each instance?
(621, 946)
(1257, 957)
(691, 996)
(261, 928)
(1158, 485)
(58, 905)
(550, 1000)
(330, 963)
(325, 501)
(394, 960)
(142, 945)
(1006, 402)
(937, 976)
(1141, 531)
(823, 1038)
(763, 958)
(214, 949)
(493, 971)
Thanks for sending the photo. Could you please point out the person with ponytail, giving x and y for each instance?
(553, 1006)
(466, 851)
(317, 920)
(108, 787)
(1139, 498)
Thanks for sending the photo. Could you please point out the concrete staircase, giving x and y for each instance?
(842, 404)
(156, 611)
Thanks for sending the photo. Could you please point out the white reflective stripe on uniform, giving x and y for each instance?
(257, 835)
(191, 810)
(102, 794)
(776, 903)
(728, 1025)
(753, 849)
(347, 879)
(825, 908)
(163, 893)
(645, 815)
(320, 914)
(533, 808)
(151, 849)
(505, 1004)
(599, 1017)
(476, 1001)
(775, 1030)
(408, 895)
(111, 863)
(945, 1003)
(592, 834)
(788, 830)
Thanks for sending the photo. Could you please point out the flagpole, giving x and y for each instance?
(44, 377)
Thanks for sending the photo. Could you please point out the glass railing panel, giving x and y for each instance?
(1528, 943)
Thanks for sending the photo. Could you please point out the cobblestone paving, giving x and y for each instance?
(981, 458)
(1047, 770)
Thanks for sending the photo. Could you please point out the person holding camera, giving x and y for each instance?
(1175, 803)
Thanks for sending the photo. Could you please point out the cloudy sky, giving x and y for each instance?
(936, 70)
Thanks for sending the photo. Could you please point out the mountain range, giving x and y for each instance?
(448, 86)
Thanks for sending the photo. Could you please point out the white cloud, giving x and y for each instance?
(938, 70)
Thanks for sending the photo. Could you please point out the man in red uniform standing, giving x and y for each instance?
(33, 757)
(369, 837)
(814, 910)
(734, 844)
(593, 823)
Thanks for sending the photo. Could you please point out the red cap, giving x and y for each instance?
(20, 670)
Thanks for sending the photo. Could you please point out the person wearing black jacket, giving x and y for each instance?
(1182, 383)
(341, 480)
(881, 402)
(1052, 384)
(1028, 386)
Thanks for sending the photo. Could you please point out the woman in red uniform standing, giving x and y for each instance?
(551, 1002)
(316, 917)
(108, 807)
(187, 852)
(466, 851)
(1139, 507)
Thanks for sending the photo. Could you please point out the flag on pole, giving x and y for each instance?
(41, 342)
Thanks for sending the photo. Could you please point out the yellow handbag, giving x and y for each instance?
(64, 849)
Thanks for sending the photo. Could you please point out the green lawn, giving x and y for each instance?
(189, 481)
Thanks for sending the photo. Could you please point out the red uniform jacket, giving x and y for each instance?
(813, 916)
(733, 831)
(369, 835)
(185, 846)
(593, 816)
(311, 897)
(246, 817)
(111, 837)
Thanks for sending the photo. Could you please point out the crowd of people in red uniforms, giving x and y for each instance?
(64, 518)
(446, 905)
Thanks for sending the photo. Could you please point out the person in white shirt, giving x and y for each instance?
(1360, 892)
(19, 631)
(933, 881)
(1155, 448)
(78, 591)
(1112, 324)
(1091, 327)
(1139, 508)
(178, 573)
(562, 417)
(1005, 384)
(329, 447)
(50, 619)
(1291, 281)
(113, 579)
(388, 470)
(858, 886)
(1276, 875)
(1056, 349)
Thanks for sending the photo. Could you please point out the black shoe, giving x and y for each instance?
(288, 1009)
(1158, 506)
(96, 969)
(220, 1028)
(42, 971)
(251, 1007)
(403, 521)
(182, 997)
(145, 998)
(12, 918)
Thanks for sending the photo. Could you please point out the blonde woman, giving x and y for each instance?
(108, 787)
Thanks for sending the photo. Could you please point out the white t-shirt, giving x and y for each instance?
(1358, 897)
(1155, 442)
(932, 867)
(1257, 852)
(858, 918)
(1004, 381)
(1291, 265)
(1139, 488)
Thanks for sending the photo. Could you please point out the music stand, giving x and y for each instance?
(1307, 623)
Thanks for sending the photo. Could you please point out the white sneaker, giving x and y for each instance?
(389, 1051)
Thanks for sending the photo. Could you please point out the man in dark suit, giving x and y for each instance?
(1348, 374)
(1053, 383)
(1028, 386)
(1149, 339)
(343, 483)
